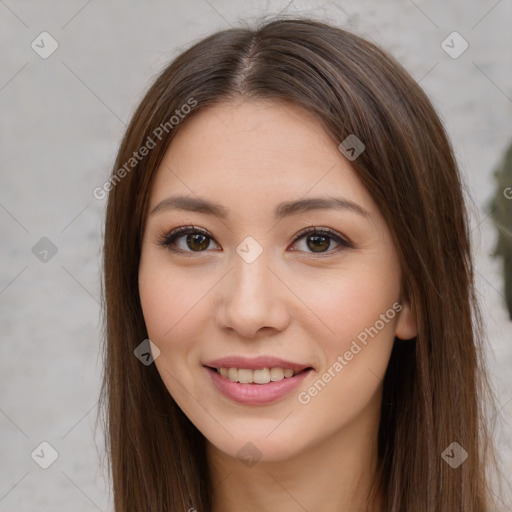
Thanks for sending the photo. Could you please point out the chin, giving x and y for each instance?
(251, 449)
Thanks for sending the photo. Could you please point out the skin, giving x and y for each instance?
(291, 302)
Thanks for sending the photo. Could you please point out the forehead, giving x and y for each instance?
(265, 128)
(255, 153)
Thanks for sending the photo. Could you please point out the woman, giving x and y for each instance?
(287, 254)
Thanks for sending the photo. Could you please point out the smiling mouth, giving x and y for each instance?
(259, 376)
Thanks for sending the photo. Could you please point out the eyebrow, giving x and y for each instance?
(284, 209)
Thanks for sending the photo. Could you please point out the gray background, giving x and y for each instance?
(61, 121)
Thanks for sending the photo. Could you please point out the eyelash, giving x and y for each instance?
(167, 239)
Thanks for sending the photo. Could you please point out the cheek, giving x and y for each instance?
(169, 300)
(360, 310)
(352, 302)
(172, 318)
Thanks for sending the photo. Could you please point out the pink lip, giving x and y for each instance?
(255, 363)
(256, 394)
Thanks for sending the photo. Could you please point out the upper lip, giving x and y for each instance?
(255, 363)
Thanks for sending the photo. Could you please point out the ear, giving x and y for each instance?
(406, 325)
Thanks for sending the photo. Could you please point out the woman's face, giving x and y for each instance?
(253, 281)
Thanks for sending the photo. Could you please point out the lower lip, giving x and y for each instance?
(256, 394)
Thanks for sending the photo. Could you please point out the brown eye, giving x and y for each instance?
(189, 239)
(194, 240)
(197, 241)
(319, 241)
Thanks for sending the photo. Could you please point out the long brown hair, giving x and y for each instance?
(435, 388)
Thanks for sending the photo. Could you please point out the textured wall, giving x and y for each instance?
(61, 120)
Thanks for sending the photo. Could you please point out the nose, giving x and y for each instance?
(253, 299)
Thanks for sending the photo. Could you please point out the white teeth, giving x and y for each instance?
(233, 374)
(245, 376)
(276, 374)
(262, 376)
